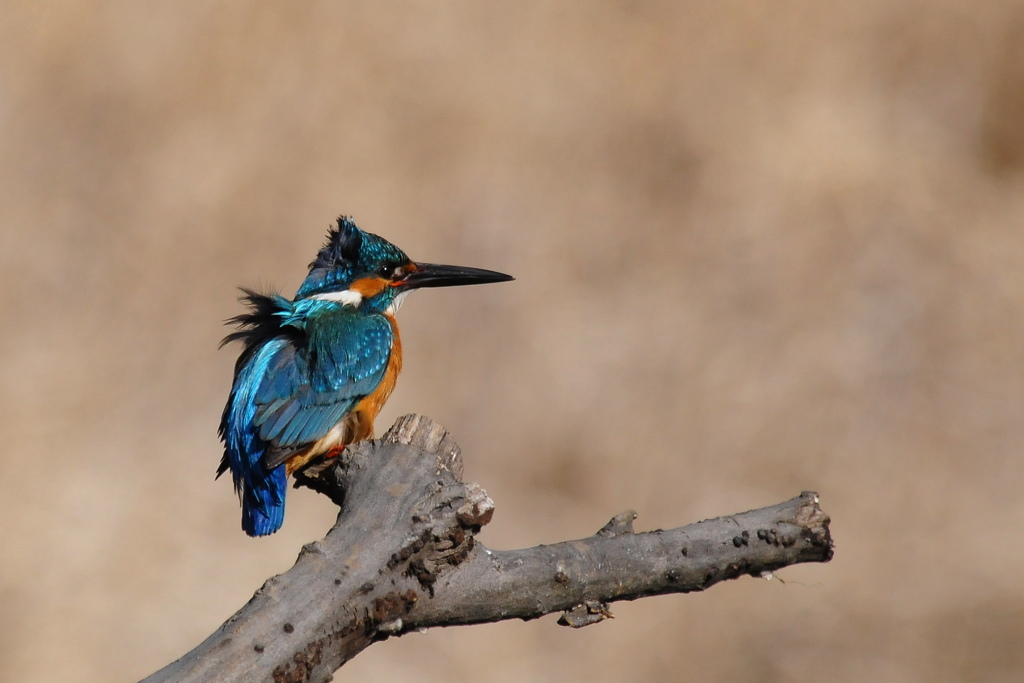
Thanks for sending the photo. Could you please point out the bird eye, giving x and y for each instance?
(386, 272)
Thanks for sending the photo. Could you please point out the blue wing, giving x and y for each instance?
(290, 390)
(308, 388)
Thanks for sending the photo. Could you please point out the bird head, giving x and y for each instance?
(369, 273)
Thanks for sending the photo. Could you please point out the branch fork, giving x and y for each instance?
(403, 556)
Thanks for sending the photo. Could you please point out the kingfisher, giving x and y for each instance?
(315, 370)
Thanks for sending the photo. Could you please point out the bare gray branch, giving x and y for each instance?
(403, 556)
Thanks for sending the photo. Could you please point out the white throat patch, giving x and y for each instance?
(349, 297)
(397, 303)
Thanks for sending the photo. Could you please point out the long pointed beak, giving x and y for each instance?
(436, 275)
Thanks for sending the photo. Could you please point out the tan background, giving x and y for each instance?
(760, 248)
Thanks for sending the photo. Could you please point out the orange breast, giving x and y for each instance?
(371, 405)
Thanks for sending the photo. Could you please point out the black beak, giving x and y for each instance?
(435, 275)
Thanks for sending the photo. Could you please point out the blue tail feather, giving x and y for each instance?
(263, 505)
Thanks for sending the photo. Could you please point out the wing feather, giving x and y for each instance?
(310, 387)
(295, 382)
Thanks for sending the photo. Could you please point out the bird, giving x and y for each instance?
(315, 370)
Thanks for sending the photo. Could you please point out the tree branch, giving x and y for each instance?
(403, 556)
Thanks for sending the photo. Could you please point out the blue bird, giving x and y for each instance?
(315, 371)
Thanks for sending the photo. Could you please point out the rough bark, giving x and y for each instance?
(403, 556)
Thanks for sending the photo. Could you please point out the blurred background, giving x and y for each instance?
(759, 248)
